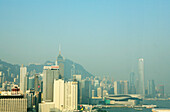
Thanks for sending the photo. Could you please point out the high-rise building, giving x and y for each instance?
(23, 78)
(151, 88)
(117, 87)
(1, 79)
(47, 107)
(121, 87)
(71, 95)
(60, 61)
(65, 95)
(100, 92)
(29, 97)
(49, 74)
(126, 87)
(59, 94)
(141, 88)
(132, 83)
(31, 81)
(78, 79)
(37, 83)
(86, 91)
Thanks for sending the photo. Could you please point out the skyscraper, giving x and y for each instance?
(60, 61)
(49, 74)
(23, 78)
(65, 95)
(71, 95)
(117, 87)
(132, 83)
(36, 83)
(86, 91)
(151, 88)
(59, 94)
(78, 79)
(141, 88)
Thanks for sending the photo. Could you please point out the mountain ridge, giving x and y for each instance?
(15, 68)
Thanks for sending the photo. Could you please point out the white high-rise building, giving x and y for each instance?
(65, 95)
(141, 77)
(59, 94)
(23, 78)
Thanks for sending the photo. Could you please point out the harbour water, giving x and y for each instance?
(159, 103)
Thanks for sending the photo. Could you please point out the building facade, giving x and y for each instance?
(23, 78)
(13, 104)
(49, 74)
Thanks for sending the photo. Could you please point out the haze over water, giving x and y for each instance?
(106, 37)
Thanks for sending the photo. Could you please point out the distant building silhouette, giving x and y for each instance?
(141, 88)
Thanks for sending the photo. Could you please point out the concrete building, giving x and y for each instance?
(13, 104)
(117, 89)
(94, 93)
(46, 107)
(78, 79)
(29, 97)
(121, 87)
(99, 92)
(59, 94)
(126, 87)
(151, 88)
(23, 78)
(86, 91)
(65, 95)
(13, 101)
(49, 74)
(31, 81)
(71, 95)
(36, 83)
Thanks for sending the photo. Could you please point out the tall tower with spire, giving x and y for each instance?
(60, 62)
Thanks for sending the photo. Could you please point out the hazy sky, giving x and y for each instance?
(105, 36)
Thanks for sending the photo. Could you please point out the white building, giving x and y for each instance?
(13, 104)
(59, 94)
(65, 95)
(46, 106)
(23, 80)
(71, 95)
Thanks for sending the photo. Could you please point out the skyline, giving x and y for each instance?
(111, 35)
